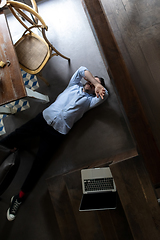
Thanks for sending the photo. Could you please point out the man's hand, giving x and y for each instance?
(99, 90)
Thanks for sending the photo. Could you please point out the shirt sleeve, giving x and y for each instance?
(77, 76)
(97, 101)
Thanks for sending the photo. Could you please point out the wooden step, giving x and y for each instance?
(96, 224)
(138, 198)
(63, 209)
(66, 193)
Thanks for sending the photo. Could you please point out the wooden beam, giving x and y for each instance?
(122, 81)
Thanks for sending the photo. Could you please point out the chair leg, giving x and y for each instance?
(63, 56)
(42, 78)
(58, 53)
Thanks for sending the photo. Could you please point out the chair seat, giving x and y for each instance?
(32, 51)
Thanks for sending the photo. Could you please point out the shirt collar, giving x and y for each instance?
(84, 93)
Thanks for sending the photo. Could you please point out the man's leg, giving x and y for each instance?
(30, 129)
(50, 141)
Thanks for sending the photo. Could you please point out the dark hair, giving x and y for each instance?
(101, 80)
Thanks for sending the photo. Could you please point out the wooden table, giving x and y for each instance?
(11, 83)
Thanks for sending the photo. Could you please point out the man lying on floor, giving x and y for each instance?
(53, 124)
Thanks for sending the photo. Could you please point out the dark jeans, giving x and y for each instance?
(50, 139)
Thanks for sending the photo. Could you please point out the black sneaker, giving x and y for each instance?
(12, 211)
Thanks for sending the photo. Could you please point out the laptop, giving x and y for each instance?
(99, 189)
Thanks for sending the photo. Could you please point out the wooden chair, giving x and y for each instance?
(35, 8)
(33, 50)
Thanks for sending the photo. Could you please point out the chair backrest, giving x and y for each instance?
(34, 5)
(17, 10)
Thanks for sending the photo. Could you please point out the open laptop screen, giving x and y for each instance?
(98, 201)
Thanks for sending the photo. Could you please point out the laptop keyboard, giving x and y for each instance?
(98, 184)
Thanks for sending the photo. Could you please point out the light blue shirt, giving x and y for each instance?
(71, 104)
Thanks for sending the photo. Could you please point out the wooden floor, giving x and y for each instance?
(134, 187)
(137, 215)
(136, 27)
(132, 25)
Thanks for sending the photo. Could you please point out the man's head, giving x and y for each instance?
(90, 88)
(101, 81)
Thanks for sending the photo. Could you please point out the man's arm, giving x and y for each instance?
(77, 76)
(99, 89)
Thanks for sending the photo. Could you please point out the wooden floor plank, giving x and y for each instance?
(117, 227)
(143, 48)
(63, 209)
(137, 21)
(138, 198)
(88, 223)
